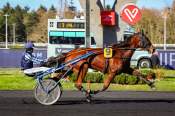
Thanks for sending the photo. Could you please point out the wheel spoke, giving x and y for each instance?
(46, 98)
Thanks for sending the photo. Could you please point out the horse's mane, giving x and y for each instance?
(123, 43)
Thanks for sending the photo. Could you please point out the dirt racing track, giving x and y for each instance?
(72, 103)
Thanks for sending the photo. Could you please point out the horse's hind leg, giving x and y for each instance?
(80, 77)
(81, 73)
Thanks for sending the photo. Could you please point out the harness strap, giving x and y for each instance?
(106, 64)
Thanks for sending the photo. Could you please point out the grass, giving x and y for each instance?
(14, 79)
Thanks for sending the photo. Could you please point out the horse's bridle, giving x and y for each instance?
(143, 41)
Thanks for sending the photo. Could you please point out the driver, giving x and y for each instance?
(27, 59)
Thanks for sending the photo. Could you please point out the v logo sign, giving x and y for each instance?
(131, 14)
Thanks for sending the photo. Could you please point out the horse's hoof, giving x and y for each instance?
(89, 98)
(153, 87)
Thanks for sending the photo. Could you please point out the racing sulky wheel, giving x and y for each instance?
(47, 93)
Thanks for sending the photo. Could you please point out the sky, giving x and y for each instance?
(34, 4)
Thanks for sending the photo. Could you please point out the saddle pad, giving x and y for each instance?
(35, 70)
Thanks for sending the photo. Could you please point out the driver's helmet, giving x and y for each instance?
(29, 45)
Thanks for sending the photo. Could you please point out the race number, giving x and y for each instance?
(108, 52)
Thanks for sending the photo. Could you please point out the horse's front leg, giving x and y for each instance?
(148, 80)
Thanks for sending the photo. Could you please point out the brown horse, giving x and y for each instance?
(119, 63)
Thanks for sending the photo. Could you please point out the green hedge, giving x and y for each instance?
(125, 79)
(95, 77)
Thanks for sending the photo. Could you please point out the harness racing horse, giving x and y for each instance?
(117, 64)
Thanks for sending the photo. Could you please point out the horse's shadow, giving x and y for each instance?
(102, 101)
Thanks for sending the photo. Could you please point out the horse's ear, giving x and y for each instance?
(142, 32)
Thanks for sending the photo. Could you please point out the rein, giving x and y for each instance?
(99, 51)
(127, 48)
(96, 52)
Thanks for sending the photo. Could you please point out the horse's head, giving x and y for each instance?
(53, 61)
(141, 41)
